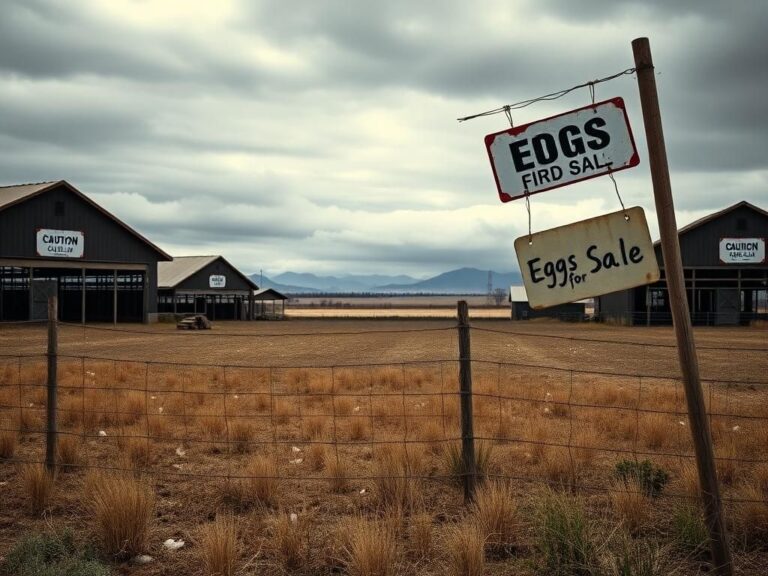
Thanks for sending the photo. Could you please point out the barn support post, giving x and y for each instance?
(52, 384)
(114, 297)
(469, 466)
(82, 298)
(686, 347)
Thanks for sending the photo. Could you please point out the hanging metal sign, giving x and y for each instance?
(557, 151)
(588, 258)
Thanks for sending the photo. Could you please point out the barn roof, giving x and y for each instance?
(269, 294)
(18, 193)
(716, 215)
(171, 274)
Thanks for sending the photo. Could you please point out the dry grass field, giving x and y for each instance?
(332, 446)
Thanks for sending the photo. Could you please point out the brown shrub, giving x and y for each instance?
(316, 456)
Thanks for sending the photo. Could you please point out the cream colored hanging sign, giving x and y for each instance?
(588, 258)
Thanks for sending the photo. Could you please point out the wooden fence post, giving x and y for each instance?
(53, 346)
(681, 318)
(469, 464)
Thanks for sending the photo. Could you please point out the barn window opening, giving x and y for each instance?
(58, 208)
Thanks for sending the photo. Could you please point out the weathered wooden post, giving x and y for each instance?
(686, 348)
(465, 390)
(53, 346)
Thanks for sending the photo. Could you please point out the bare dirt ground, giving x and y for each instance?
(559, 403)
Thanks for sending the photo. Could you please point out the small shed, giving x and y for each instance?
(521, 310)
(206, 285)
(262, 309)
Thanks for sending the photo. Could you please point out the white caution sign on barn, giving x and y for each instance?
(567, 148)
(60, 243)
(589, 258)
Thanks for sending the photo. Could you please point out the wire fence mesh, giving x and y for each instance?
(549, 408)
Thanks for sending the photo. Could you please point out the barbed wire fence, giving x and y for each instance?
(546, 409)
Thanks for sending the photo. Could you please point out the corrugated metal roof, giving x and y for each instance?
(169, 274)
(12, 194)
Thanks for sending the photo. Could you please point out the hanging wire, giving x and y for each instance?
(550, 96)
(591, 86)
(528, 208)
(616, 187)
(508, 112)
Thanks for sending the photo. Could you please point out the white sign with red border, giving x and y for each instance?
(60, 243)
(557, 151)
(742, 250)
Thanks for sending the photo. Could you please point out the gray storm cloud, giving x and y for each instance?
(324, 136)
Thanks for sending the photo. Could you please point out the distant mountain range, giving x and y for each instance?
(461, 281)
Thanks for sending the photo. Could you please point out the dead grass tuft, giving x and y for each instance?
(369, 548)
(288, 541)
(219, 546)
(465, 548)
(316, 456)
(122, 507)
(240, 436)
(8, 442)
(337, 471)
(68, 448)
(752, 516)
(37, 484)
(420, 535)
(631, 503)
(495, 513)
(262, 485)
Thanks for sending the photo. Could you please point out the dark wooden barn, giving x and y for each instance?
(725, 269)
(54, 236)
(521, 310)
(205, 285)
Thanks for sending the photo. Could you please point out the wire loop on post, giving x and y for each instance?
(508, 112)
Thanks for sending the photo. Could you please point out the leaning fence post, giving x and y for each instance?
(465, 393)
(53, 346)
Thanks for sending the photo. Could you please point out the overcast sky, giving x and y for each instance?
(321, 136)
